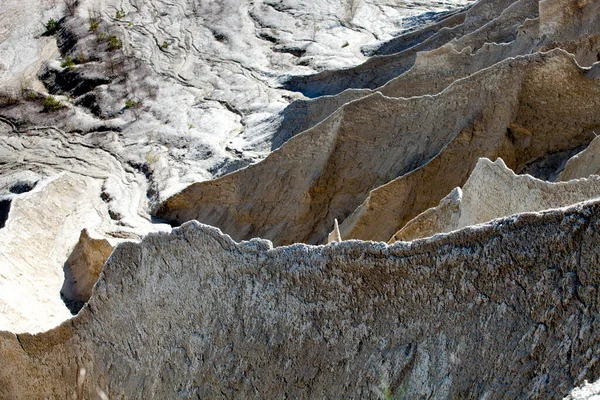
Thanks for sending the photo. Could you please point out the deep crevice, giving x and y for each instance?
(549, 166)
(21, 187)
(4, 211)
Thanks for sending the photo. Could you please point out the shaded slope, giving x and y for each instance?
(550, 117)
(511, 110)
(448, 20)
(431, 72)
(515, 31)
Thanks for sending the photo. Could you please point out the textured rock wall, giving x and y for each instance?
(503, 310)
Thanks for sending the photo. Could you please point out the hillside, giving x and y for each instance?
(171, 174)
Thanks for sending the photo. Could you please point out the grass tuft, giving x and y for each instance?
(69, 64)
(51, 104)
(51, 27)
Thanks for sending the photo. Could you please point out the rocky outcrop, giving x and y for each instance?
(572, 25)
(512, 31)
(335, 235)
(428, 144)
(37, 238)
(394, 203)
(82, 270)
(494, 191)
(440, 219)
(44, 217)
(503, 310)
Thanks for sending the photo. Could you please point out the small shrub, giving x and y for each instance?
(345, 44)
(51, 104)
(51, 27)
(69, 64)
(94, 22)
(114, 43)
(132, 104)
(164, 45)
(29, 94)
(317, 29)
(120, 14)
(386, 393)
(101, 36)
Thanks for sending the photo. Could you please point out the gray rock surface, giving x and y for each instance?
(502, 310)
(432, 72)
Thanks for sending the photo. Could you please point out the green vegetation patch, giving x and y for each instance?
(51, 104)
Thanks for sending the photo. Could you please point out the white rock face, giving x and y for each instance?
(22, 48)
(588, 391)
(44, 224)
(39, 235)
